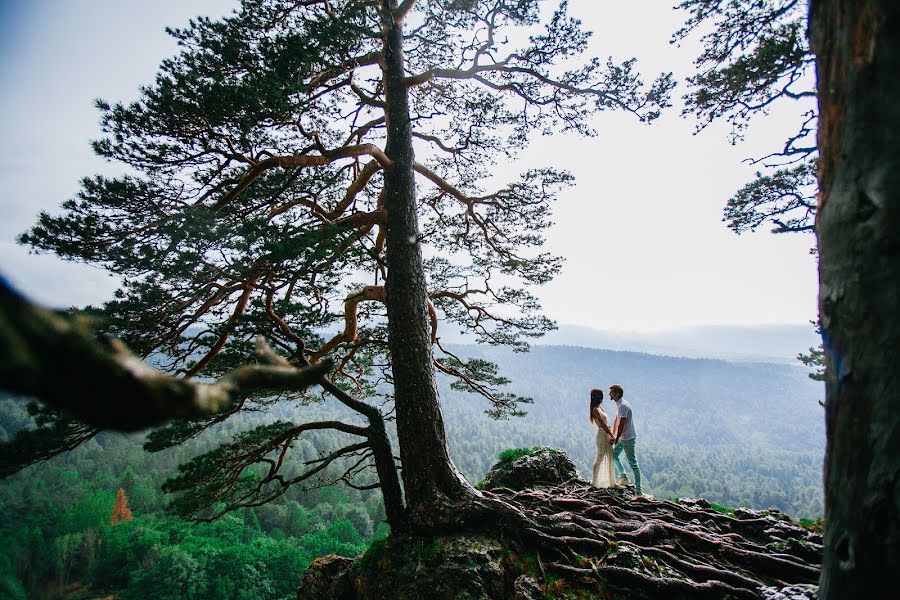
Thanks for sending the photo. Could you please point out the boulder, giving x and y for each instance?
(544, 466)
(320, 577)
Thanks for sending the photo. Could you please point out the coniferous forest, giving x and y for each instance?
(738, 434)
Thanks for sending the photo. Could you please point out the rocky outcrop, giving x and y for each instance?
(464, 567)
(581, 542)
(322, 575)
(541, 467)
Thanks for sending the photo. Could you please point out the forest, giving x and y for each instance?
(57, 539)
(734, 433)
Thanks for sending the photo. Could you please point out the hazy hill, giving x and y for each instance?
(740, 434)
(769, 343)
(758, 342)
(737, 433)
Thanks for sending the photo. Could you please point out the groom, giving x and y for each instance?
(624, 437)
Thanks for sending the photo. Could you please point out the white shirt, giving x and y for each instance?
(624, 411)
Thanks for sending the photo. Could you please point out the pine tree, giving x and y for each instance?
(120, 511)
(756, 57)
(301, 167)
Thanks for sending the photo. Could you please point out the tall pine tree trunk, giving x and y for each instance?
(430, 479)
(858, 54)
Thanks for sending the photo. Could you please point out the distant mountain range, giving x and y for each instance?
(760, 343)
(740, 433)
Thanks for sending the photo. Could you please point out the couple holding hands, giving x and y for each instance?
(611, 442)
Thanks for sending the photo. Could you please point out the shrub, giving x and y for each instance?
(511, 454)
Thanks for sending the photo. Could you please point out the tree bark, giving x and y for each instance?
(387, 476)
(429, 476)
(59, 360)
(382, 454)
(858, 59)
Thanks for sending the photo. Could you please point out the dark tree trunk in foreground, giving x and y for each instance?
(858, 53)
(429, 475)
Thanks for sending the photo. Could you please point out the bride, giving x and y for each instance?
(602, 474)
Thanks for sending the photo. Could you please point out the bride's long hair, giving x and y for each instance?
(596, 399)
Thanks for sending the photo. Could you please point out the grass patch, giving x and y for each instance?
(378, 554)
(553, 586)
(432, 550)
(511, 454)
(817, 525)
(722, 509)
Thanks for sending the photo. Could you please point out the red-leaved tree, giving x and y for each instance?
(120, 511)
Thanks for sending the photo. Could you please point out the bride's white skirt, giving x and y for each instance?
(602, 474)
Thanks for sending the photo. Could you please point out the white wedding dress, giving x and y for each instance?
(602, 474)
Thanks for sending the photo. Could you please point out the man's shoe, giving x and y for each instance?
(623, 481)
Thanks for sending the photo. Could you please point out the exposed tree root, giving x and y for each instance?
(594, 543)
(649, 548)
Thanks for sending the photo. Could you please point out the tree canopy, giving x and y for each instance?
(755, 58)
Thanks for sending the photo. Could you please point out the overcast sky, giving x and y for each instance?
(641, 231)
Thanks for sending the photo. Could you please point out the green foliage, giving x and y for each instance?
(173, 575)
(48, 434)
(481, 376)
(753, 54)
(755, 57)
(775, 199)
(553, 586)
(56, 528)
(722, 509)
(376, 552)
(225, 474)
(815, 360)
(431, 550)
(511, 454)
(817, 525)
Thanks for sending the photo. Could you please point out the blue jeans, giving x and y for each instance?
(628, 447)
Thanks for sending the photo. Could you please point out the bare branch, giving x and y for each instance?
(372, 58)
(401, 11)
(53, 436)
(368, 293)
(371, 168)
(328, 157)
(58, 360)
(229, 325)
(373, 293)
